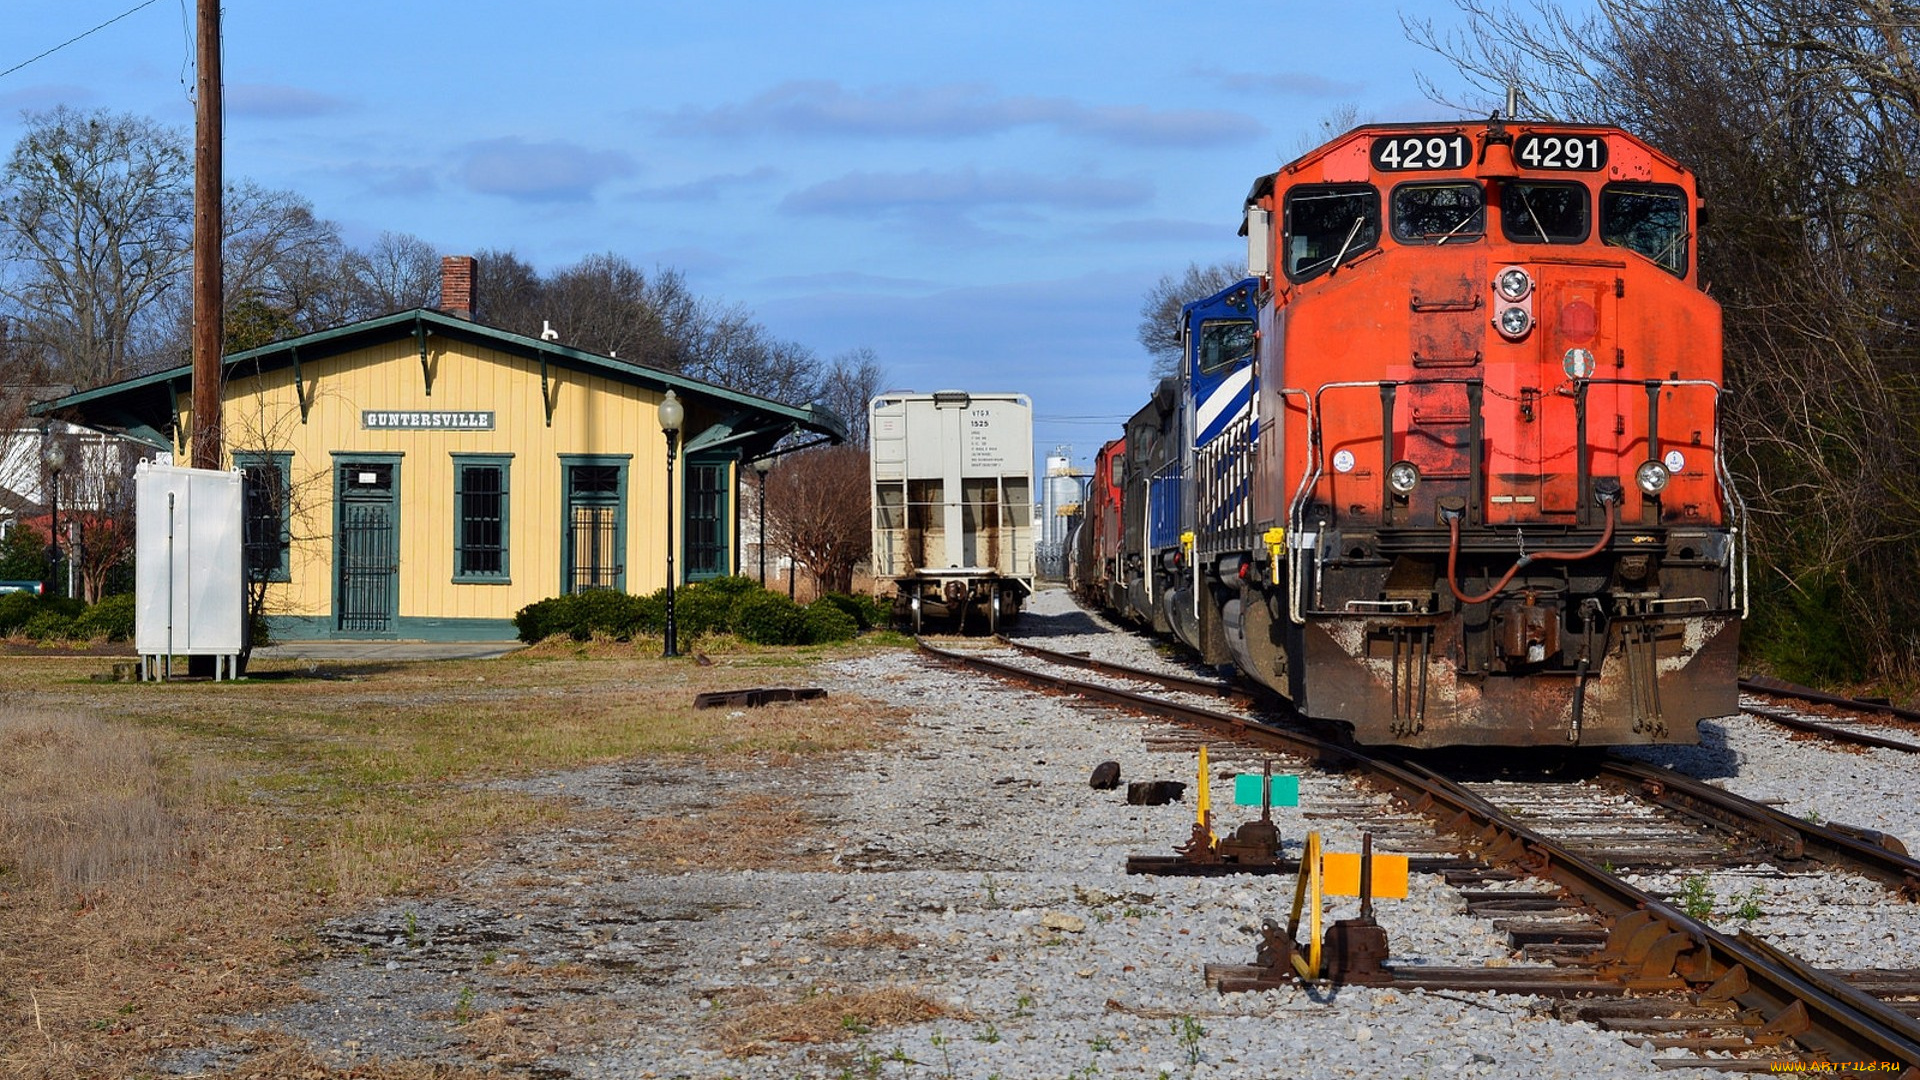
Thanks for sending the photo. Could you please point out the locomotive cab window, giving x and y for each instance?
(1225, 343)
(1544, 212)
(1439, 213)
(1327, 225)
(1650, 219)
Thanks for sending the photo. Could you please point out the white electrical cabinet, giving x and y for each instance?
(189, 585)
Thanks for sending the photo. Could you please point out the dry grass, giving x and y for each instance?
(81, 804)
(166, 850)
(750, 1024)
(519, 1036)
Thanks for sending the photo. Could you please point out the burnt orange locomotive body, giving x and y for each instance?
(1488, 503)
(1094, 569)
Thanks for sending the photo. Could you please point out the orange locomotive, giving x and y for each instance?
(1487, 501)
(1093, 567)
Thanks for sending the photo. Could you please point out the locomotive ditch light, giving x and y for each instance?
(1652, 477)
(1403, 477)
(1514, 322)
(1513, 284)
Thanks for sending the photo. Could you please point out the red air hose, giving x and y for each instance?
(1453, 559)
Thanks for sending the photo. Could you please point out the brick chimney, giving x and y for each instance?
(456, 285)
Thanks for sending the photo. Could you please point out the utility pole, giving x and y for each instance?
(209, 301)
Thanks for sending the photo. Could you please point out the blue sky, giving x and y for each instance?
(981, 192)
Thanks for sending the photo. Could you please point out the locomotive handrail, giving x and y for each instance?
(1296, 512)
(1731, 501)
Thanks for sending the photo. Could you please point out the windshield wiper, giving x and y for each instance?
(1455, 231)
(1339, 255)
(1533, 217)
(1672, 247)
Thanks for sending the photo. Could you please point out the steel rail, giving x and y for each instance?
(1828, 731)
(1835, 1028)
(1781, 688)
(1804, 839)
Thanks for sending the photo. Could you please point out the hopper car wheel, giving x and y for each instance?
(993, 613)
(914, 604)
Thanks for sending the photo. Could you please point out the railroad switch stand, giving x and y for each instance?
(1351, 952)
(1256, 843)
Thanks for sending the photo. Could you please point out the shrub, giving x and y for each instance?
(603, 611)
(49, 625)
(698, 609)
(866, 611)
(23, 554)
(111, 618)
(733, 586)
(535, 621)
(824, 623)
(766, 618)
(582, 615)
(15, 609)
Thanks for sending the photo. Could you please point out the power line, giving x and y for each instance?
(77, 37)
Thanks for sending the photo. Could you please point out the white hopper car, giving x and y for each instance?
(953, 507)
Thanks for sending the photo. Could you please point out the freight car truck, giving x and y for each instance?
(953, 507)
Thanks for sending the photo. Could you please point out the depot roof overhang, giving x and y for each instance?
(145, 408)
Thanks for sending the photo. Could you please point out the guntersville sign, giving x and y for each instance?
(425, 420)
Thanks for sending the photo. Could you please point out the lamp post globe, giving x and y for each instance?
(672, 415)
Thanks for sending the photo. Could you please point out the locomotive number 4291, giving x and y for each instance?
(1579, 153)
(1397, 153)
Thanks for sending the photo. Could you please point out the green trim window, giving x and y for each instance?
(707, 532)
(593, 538)
(266, 514)
(480, 518)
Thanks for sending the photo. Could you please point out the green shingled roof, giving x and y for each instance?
(143, 407)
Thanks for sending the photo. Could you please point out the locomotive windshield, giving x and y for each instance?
(1225, 343)
(1328, 224)
(1439, 213)
(1546, 212)
(1648, 218)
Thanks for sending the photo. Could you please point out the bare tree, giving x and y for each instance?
(1159, 331)
(817, 511)
(94, 209)
(852, 380)
(397, 272)
(608, 305)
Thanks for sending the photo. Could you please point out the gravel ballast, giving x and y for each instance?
(969, 865)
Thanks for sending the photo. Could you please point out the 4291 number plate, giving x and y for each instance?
(1575, 153)
(1403, 153)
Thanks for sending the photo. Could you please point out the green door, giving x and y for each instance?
(366, 548)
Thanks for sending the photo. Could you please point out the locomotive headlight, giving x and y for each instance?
(1514, 322)
(1513, 283)
(1402, 477)
(1652, 477)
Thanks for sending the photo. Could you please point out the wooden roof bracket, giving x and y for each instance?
(546, 395)
(300, 385)
(420, 338)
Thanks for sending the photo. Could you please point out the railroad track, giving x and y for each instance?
(1629, 960)
(1858, 730)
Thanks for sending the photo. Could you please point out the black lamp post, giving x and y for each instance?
(763, 466)
(672, 414)
(54, 457)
